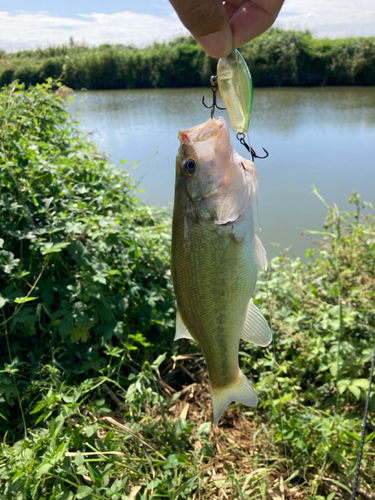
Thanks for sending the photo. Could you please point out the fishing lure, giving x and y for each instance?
(235, 84)
(236, 88)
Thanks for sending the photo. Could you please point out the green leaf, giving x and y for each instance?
(334, 481)
(39, 406)
(67, 398)
(175, 396)
(79, 459)
(93, 474)
(68, 495)
(355, 390)
(79, 333)
(82, 470)
(172, 462)
(66, 326)
(23, 300)
(3, 301)
(326, 233)
(83, 492)
(343, 385)
(54, 247)
(354, 436)
(91, 429)
(43, 470)
(204, 428)
(362, 383)
(159, 360)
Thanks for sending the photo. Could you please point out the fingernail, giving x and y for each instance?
(218, 44)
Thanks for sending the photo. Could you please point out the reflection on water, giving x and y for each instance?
(323, 136)
(293, 108)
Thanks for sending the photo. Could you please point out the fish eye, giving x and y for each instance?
(189, 166)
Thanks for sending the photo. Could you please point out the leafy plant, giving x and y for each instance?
(323, 318)
(95, 400)
(83, 264)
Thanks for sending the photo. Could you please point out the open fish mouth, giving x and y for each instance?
(201, 133)
(229, 222)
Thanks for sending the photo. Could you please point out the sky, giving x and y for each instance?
(38, 23)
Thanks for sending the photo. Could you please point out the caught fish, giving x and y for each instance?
(215, 255)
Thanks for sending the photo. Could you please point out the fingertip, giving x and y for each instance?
(251, 20)
(218, 44)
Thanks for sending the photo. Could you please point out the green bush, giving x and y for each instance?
(323, 319)
(82, 262)
(93, 402)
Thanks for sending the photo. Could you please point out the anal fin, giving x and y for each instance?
(256, 329)
(181, 331)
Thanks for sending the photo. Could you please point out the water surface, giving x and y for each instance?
(323, 136)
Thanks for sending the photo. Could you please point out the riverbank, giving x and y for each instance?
(277, 58)
(97, 401)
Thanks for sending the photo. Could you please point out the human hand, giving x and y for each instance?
(219, 27)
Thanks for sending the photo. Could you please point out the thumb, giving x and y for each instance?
(208, 22)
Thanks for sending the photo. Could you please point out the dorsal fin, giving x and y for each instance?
(181, 331)
(260, 253)
(256, 329)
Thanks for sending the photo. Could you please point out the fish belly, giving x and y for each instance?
(214, 273)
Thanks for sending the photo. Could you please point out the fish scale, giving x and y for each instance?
(214, 287)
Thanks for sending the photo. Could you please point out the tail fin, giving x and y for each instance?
(241, 391)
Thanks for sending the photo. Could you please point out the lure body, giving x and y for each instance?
(236, 89)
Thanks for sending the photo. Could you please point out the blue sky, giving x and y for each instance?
(72, 8)
(29, 24)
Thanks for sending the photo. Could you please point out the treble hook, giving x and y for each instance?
(241, 137)
(214, 87)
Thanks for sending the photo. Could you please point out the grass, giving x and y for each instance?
(276, 58)
(96, 401)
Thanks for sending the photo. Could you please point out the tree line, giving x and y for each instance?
(277, 58)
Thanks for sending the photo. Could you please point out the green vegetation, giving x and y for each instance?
(276, 58)
(95, 399)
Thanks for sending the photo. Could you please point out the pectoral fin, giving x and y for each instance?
(256, 329)
(260, 253)
(181, 331)
(241, 390)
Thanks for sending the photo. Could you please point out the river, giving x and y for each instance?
(315, 136)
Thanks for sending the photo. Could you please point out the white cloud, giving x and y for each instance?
(18, 30)
(29, 30)
(331, 18)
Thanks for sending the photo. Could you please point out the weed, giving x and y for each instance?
(96, 402)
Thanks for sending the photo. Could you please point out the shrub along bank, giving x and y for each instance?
(277, 58)
(95, 400)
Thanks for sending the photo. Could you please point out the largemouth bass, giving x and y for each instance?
(215, 255)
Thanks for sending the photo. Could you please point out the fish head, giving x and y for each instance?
(215, 183)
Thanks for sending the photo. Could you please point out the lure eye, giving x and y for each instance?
(189, 166)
